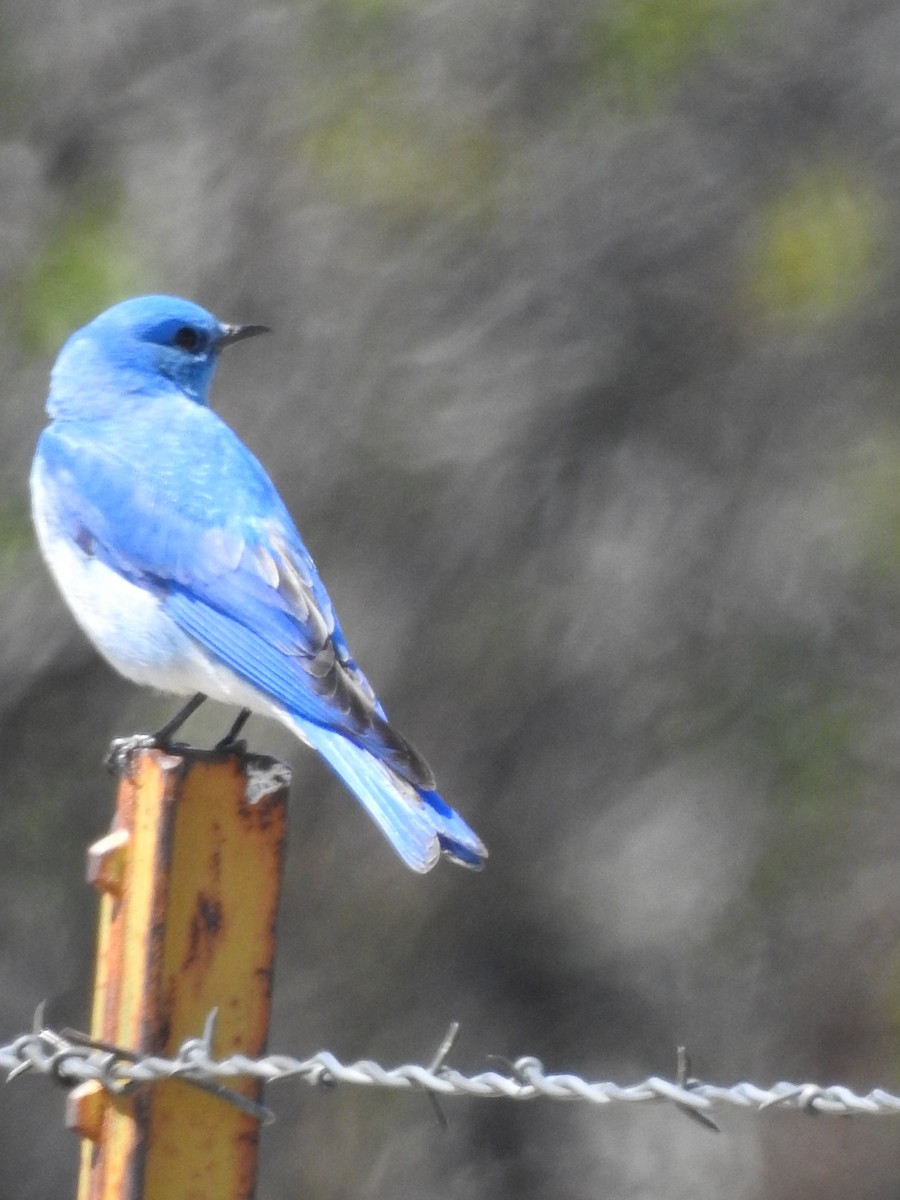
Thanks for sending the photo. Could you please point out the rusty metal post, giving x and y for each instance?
(189, 878)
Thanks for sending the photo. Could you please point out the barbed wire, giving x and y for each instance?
(71, 1058)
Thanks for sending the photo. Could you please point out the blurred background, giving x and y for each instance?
(585, 393)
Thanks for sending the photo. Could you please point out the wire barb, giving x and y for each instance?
(686, 1080)
(447, 1043)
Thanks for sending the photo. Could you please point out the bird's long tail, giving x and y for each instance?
(418, 823)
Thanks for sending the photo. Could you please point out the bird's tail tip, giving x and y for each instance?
(463, 856)
(458, 842)
(418, 822)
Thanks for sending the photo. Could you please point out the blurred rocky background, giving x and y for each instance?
(585, 392)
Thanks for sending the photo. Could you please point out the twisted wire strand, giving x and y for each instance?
(71, 1059)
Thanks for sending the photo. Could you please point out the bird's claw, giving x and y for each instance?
(121, 750)
(236, 746)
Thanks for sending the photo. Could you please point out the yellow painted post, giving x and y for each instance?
(189, 879)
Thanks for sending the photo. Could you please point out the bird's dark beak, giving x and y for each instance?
(236, 333)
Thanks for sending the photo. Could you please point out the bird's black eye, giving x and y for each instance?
(188, 338)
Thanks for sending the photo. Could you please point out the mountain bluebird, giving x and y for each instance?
(178, 558)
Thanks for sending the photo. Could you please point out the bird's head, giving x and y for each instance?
(141, 347)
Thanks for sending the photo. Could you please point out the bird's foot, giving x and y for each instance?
(121, 749)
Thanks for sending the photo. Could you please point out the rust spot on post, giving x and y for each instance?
(206, 925)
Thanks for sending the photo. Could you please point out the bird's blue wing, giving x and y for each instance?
(374, 764)
(221, 552)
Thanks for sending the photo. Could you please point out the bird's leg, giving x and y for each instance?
(229, 741)
(121, 749)
(163, 736)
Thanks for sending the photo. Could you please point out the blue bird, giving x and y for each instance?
(178, 558)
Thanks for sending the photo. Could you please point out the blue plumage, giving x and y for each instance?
(177, 556)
